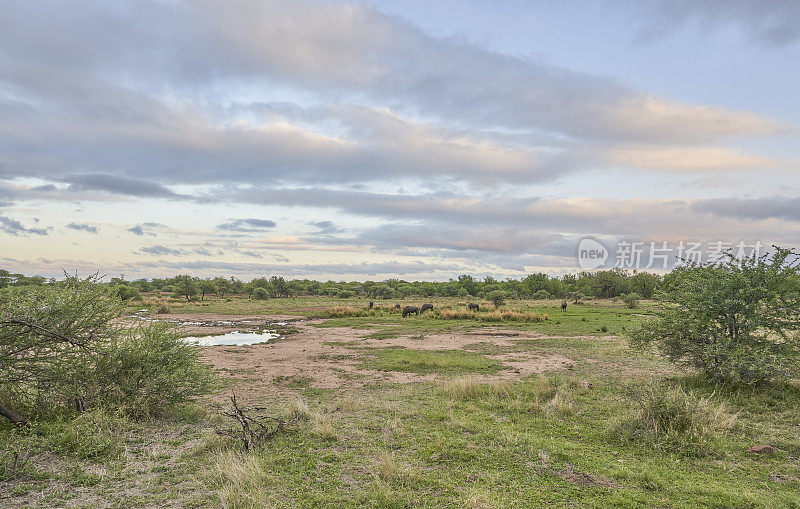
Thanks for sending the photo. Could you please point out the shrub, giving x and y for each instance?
(148, 369)
(126, 292)
(462, 293)
(346, 294)
(672, 419)
(61, 348)
(631, 300)
(260, 294)
(541, 295)
(497, 297)
(738, 321)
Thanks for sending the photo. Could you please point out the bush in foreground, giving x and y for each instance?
(738, 322)
(61, 350)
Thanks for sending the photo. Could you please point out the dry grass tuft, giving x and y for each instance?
(243, 481)
(322, 426)
(497, 315)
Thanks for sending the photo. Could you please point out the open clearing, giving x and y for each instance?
(425, 412)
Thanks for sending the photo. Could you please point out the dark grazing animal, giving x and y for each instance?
(564, 306)
(371, 304)
(397, 305)
(473, 307)
(408, 310)
(425, 307)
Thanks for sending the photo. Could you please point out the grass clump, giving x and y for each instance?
(346, 311)
(672, 419)
(431, 361)
(505, 315)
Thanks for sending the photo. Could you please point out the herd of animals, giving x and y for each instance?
(414, 310)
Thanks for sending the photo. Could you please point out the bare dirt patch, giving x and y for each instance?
(332, 358)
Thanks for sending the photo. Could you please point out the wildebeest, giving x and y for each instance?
(425, 307)
(473, 307)
(564, 306)
(408, 310)
(397, 305)
(371, 304)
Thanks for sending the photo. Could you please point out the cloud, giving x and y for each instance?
(15, 228)
(755, 209)
(83, 227)
(247, 225)
(365, 75)
(140, 229)
(326, 227)
(118, 185)
(158, 250)
(770, 22)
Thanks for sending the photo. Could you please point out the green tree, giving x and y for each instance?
(631, 299)
(497, 297)
(737, 321)
(186, 286)
(127, 292)
(644, 283)
(222, 286)
(260, 293)
(206, 286)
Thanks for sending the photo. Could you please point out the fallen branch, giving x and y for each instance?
(252, 431)
(12, 416)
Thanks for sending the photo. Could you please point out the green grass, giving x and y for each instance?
(448, 362)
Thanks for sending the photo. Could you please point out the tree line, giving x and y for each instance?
(600, 284)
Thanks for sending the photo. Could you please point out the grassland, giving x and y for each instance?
(469, 435)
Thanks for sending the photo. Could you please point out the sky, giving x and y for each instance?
(391, 139)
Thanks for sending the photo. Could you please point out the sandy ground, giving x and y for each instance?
(316, 357)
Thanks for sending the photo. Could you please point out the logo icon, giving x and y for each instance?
(591, 254)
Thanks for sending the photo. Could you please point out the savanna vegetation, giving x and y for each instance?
(670, 383)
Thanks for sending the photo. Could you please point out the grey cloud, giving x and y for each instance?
(139, 229)
(86, 121)
(326, 227)
(787, 209)
(118, 185)
(643, 218)
(247, 225)
(15, 228)
(159, 250)
(83, 227)
(772, 22)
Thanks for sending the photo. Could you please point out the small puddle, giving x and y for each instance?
(234, 338)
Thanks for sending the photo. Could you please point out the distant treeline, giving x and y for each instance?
(601, 284)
